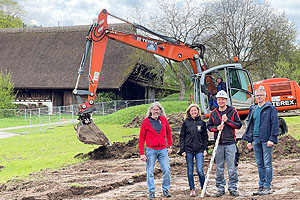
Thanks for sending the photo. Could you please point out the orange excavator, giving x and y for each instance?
(96, 41)
(238, 81)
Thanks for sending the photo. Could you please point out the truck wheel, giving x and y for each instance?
(283, 128)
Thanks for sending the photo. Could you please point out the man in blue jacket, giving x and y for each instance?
(262, 131)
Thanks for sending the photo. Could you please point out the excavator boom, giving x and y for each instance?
(96, 42)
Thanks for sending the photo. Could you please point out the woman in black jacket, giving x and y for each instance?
(194, 143)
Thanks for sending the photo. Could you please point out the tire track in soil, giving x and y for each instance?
(78, 192)
(117, 167)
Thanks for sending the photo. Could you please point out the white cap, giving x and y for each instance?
(222, 94)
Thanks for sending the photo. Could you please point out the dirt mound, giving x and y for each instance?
(287, 147)
(175, 120)
(135, 122)
(117, 150)
(121, 150)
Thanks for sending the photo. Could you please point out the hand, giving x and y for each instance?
(270, 144)
(169, 150)
(224, 118)
(220, 127)
(183, 154)
(249, 145)
(143, 158)
(204, 153)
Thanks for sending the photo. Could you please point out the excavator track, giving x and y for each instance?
(91, 134)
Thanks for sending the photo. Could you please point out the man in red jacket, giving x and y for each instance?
(155, 130)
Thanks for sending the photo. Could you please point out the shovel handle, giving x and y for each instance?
(211, 162)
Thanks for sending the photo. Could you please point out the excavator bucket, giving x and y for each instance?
(91, 134)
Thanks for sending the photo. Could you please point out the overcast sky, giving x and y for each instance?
(82, 12)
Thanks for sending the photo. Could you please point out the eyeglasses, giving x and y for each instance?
(259, 95)
(155, 109)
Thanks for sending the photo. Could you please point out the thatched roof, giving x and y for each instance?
(49, 58)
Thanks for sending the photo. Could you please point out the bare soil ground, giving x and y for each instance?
(117, 173)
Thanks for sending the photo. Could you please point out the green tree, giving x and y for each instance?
(7, 95)
(10, 14)
(289, 67)
(185, 21)
(182, 20)
(251, 30)
(107, 96)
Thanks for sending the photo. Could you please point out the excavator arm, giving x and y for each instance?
(96, 41)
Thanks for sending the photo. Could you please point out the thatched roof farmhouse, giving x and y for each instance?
(44, 64)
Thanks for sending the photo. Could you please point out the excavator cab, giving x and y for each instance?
(239, 86)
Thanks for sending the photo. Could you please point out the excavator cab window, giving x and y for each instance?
(238, 86)
(241, 90)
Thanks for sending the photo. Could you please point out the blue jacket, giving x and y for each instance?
(268, 125)
(221, 86)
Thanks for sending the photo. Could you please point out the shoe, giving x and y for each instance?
(266, 191)
(234, 193)
(220, 193)
(207, 194)
(166, 193)
(260, 189)
(193, 193)
(151, 195)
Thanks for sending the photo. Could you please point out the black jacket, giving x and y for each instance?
(193, 136)
(228, 134)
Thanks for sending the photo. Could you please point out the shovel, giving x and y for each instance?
(211, 163)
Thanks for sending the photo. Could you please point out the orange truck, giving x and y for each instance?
(284, 94)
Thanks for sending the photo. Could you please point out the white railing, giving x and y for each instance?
(23, 121)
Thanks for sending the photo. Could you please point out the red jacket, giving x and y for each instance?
(153, 139)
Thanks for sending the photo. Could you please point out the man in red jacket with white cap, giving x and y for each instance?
(155, 130)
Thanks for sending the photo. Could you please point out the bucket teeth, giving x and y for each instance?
(91, 134)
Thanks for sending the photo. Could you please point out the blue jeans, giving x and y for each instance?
(199, 168)
(226, 152)
(163, 159)
(263, 157)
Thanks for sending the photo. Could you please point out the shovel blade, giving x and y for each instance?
(91, 134)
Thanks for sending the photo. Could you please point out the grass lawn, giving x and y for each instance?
(293, 126)
(13, 121)
(53, 148)
(126, 115)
